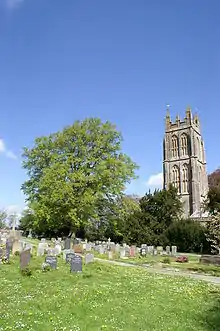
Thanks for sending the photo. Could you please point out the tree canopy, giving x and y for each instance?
(71, 170)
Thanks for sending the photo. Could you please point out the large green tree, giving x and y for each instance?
(157, 212)
(212, 203)
(70, 171)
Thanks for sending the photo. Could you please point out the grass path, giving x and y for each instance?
(168, 271)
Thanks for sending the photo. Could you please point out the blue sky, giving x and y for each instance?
(121, 60)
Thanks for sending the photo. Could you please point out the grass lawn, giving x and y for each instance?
(104, 297)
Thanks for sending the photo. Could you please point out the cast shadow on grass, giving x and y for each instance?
(211, 319)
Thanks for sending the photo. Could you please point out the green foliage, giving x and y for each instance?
(17, 253)
(27, 272)
(70, 171)
(188, 235)
(213, 232)
(157, 212)
(166, 260)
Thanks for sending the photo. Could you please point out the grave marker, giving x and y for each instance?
(25, 257)
(89, 258)
(52, 261)
(76, 264)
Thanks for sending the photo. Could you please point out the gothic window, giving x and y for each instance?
(184, 149)
(185, 178)
(174, 146)
(176, 178)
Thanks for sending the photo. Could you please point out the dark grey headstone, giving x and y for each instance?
(69, 257)
(25, 257)
(76, 264)
(67, 243)
(52, 261)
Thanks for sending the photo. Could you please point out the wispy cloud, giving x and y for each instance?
(8, 153)
(12, 4)
(155, 181)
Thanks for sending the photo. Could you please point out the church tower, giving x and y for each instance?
(184, 163)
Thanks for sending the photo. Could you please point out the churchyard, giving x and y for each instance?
(60, 285)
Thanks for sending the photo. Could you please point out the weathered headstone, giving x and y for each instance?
(77, 248)
(76, 264)
(69, 257)
(168, 250)
(110, 255)
(67, 243)
(52, 261)
(132, 251)
(89, 258)
(174, 250)
(25, 257)
(122, 253)
(40, 249)
(88, 247)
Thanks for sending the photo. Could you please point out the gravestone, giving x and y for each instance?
(9, 244)
(143, 251)
(77, 248)
(101, 250)
(174, 250)
(132, 251)
(52, 261)
(69, 257)
(40, 249)
(89, 258)
(67, 243)
(25, 257)
(58, 249)
(16, 247)
(168, 250)
(88, 247)
(76, 264)
(122, 253)
(110, 255)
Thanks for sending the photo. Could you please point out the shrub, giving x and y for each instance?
(188, 235)
(26, 272)
(182, 259)
(46, 267)
(5, 260)
(17, 253)
(166, 260)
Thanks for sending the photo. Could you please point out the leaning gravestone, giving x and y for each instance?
(52, 261)
(89, 258)
(76, 264)
(69, 257)
(25, 257)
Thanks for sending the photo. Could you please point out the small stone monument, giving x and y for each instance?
(25, 258)
(76, 264)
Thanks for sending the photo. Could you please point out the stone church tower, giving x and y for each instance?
(184, 163)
